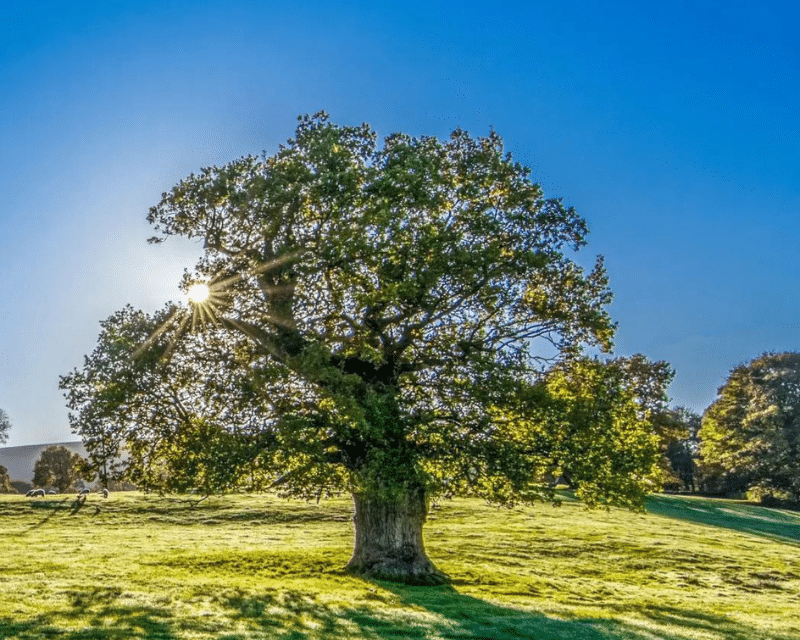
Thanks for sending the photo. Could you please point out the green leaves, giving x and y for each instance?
(5, 425)
(750, 434)
(381, 317)
(57, 467)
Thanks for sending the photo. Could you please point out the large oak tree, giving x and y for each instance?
(396, 320)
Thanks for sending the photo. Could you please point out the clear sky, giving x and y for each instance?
(672, 127)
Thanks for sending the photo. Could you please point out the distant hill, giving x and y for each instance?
(20, 460)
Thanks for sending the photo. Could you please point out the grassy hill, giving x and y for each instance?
(245, 567)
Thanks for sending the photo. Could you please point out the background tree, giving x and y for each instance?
(5, 481)
(678, 428)
(5, 425)
(598, 435)
(57, 467)
(375, 323)
(750, 435)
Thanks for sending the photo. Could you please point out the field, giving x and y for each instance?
(254, 566)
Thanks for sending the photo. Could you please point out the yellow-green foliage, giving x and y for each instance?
(246, 567)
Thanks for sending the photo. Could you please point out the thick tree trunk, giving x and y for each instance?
(388, 540)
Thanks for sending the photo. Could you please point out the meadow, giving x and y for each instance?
(254, 566)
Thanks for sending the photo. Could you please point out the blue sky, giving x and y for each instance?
(672, 127)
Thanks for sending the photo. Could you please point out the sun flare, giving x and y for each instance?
(198, 292)
(207, 302)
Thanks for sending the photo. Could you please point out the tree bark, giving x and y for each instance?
(388, 539)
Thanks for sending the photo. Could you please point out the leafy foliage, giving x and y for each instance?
(5, 481)
(679, 428)
(390, 320)
(57, 467)
(167, 419)
(5, 425)
(750, 435)
(605, 443)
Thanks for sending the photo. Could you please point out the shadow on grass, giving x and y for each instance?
(95, 614)
(395, 612)
(183, 513)
(463, 616)
(703, 624)
(391, 611)
(53, 507)
(745, 518)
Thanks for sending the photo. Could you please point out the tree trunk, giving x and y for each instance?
(388, 540)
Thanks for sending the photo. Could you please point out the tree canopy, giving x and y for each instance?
(396, 321)
(750, 435)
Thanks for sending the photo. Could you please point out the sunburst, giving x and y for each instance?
(198, 292)
(205, 300)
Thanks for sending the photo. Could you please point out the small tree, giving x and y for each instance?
(594, 428)
(377, 320)
(750, 435)
(5, 425)
(5, 481)
(57, 467)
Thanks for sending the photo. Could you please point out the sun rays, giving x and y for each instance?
(207, 300)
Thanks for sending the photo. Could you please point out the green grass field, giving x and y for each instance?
(242, 567)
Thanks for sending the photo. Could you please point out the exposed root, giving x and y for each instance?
(389, 570)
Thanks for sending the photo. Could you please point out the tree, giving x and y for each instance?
(381, 320)
(750, 435)
(5, 425)
(589, 420)
(679, 428)
(675, 427)
(57, 467)
(5, 481)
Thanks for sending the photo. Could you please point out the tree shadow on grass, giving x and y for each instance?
(404, 612)
(745, 518)
(95, 614)
(464, 616)
(392, 612)
(703, 624)
(53, 506)
(389, 612)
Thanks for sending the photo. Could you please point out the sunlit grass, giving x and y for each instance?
(243, 567)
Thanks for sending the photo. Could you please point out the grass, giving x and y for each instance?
(246, 567)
